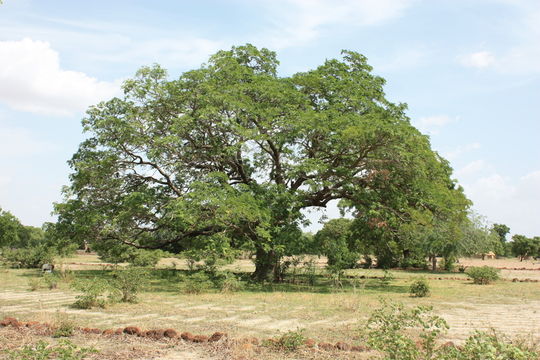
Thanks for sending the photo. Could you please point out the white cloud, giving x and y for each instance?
(514, 202)
(522, 57)
(297, 22)
(432, 124)
(460, 150)
(32, 80)
(471, 168)
(480, 59)
(187, 52)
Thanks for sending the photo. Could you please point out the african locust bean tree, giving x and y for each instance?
(230, 154)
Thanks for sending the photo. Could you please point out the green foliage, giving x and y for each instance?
(228, 282)
(28, 258)
(336, 242)
(34, 284)
(387, 278)
(523, 246)
(478, 237)
(63, 326)
(248, 153)
(389, 331)
(290, 341)
(64, 350)
(420, 288)
(412, 334)
(51, 280)
(95, 293)
(488, 346)
(127, 283)
(482, 275)
(196, 283)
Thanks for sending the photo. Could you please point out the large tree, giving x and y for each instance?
(230, 154)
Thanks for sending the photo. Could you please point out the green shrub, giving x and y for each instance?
(389, 331)
(28, 258)
(412, 334)
(94, 293)
(387, 278)
(228, 282)
(196, 283)
(310, 271)
(290, 341)
(51, 280)
(488, 346)
(482, 275)
(128, 283)
(145, 258)
(65, 350)
(63, 326)
(420, 288)
(34, 284)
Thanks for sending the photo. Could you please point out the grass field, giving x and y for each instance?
(325, 312)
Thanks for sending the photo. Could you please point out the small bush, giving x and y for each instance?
(34, 284)
(94, 293)
(489, 346)
(387, 278)
(65, 350)
(128, 283)
(290, 341)
(228, 282)
(389, 331)
(483, 275)
(51, 280)
(412, 334)
(63, 326)
(196, 283)
(461, 268)
(419, 288)
(145, 258)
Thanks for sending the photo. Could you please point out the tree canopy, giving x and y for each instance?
(230, 154)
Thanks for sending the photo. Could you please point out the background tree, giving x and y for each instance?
(9, 229)
(523, 246)
(336, 241)
(228, 156)
(478, 238)
(502, 230)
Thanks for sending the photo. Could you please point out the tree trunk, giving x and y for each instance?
(266, 266)
(434, 263)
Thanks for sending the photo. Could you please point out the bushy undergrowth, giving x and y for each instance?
(95, 293)
(228, 282)
(63, 326)
(128, 283)
(290, 341)
(420, 288)
(28, 258)
(483, 275)
(414, 334)
(64, 350)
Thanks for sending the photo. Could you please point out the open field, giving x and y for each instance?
(327, 314)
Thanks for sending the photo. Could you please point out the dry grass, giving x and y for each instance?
(326, 314)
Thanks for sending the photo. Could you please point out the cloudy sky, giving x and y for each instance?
(468, 69)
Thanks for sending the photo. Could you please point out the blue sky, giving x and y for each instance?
(468, 69)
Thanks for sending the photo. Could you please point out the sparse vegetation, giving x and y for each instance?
(64, 350)
(95, 293)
